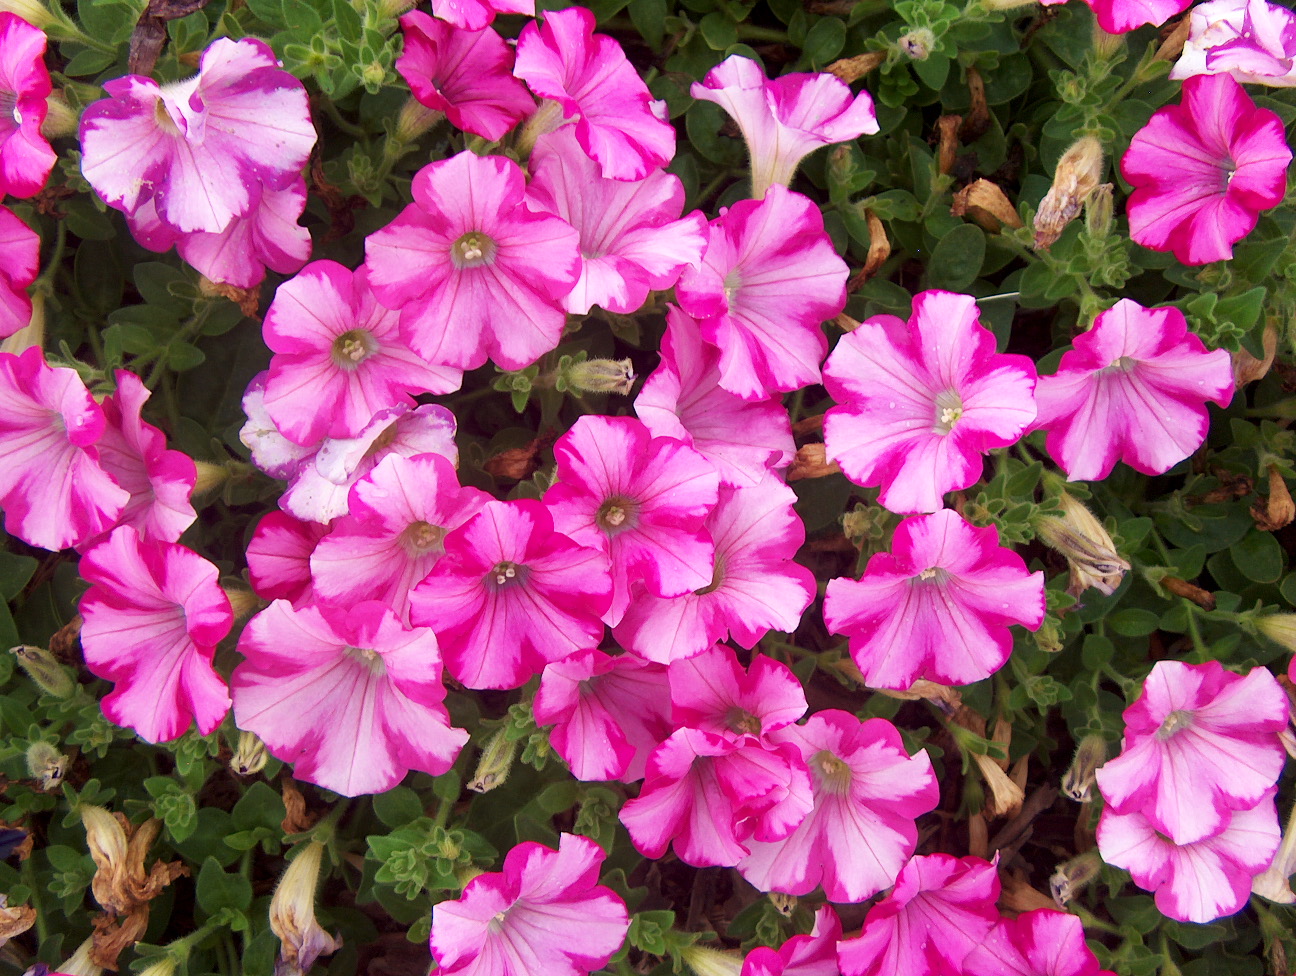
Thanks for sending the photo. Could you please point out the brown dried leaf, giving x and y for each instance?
(811, 461)
(1279, 510)
(853, 69)
(986, 204)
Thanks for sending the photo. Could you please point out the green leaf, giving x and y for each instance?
(88, 62)
(649, 17)
(824, 41)
(301, 18)
(1258, 556)
(718, 31)
(218, 889)
(15, 572)
(398, 806)
(933, 71)
(956, 260)
(1133, 622)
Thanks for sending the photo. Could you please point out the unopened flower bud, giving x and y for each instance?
(547, 116)
(46, 765)
(917, 44)
(785, 905)
(1078, 781)
(32, 11)
(1048, 638)
(495, 763)
(1275, 882)
(391, 9)
(31, 334)
(60, 119)
(1099, 210)
(372, 75)
(1279, 628)
(1005, 4)
(163, 965)
(81, 962)
(415, 119)
(1106, 46)
(52, 678)
(292, 915)
(711, 962)
(1087, 546)
(1076, 176)
(250, 755)
(210, 477)
(1073, 876)
(601, 376)
(243, 602)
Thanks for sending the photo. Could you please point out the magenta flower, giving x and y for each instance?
(785, 119)
(714, 693)
(545, 914)
(640, 499)
(278, 558)
(632, 240)
(683, 399)
(204, 149)
(1134, 388)
(1123, 16)
(868, 792)
(1200, 881)
(1042, 942)
(938, 606)
(1199, 742)
(52, 489)
(153, 615)
(349, 696)
(474, 273)
(339, 357)
(768, 280)
(467, 74)
(1252, 40)
(940, 909)
(922, 401)
(608, 713)
(511, 595)
(754, 588)
(21, 248)
(1203, 170)
(802, 955)
(25, 155)
(476, 14)
(588, 75)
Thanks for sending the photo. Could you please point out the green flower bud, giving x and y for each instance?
(40, 665)
(46, 765)
(495, 763)
(1073, 876)
(1078, 781)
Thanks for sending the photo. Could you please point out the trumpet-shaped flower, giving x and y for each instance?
(714, 693)
(1252, 40)
(802, 955)
(1203, 170)
(475, 14)
(785, 119)
(1134, 388)
(1123, 16)
(922, 401)
(938, 606)
(474, 273)
(25, 155)
(21, 247)
(278, 558)
(1042, 942)
(349, 696)
(153, 616)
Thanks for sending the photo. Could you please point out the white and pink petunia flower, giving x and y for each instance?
(608, 713)
(868, 793)
(940, 909)
(1043, 942)
(632, 239)
(511, 595)
(1134, 388)
(349, 696)
(1203, 170)
(1200, 881)
(25, 155)
(640, 499)
(204, 149)
(153, 616)
(338, 356)
(278, 558)
(802, 955)
(785, 119)
(939, 606)
(683, 399)
(1123, 16)
(1199, 742)
(52, 489)
(716, 694)
(476, 14)
(467, 74)
(755, 586)
(474, 273)
(922, 401)
(1252, 40)
(590, 79)
(768, 281)
(545, 914)
(21, 248)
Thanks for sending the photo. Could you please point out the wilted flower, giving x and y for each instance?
(292, 915)
(1077, 175)
(1079, 778)
(121, 884)
(1087, 546)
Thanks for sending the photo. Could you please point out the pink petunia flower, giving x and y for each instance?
(641, 499)
(52, 489)
(1199, 881)
(1199, 742)
(868, 793)
(467, 74)
(278, 558)
(785, 119)
(1252, 40)
(203, 149)
(769, 279)
(21, 247)
(349, 696)
(632, 240)
(802, 955)
(476, 14)
(1123, 16)
(755, 587)
(938, 606)
(1203, 170)
(474, 273)
(940, 909)
(683, 399)
(608, 713)
(716, 694)
(1134, 388)
(511, 595)
(339, 357)
(588, 75)
(545, 914)
(922, 401)
(25, 155)
(1042, 942)
(153, 616)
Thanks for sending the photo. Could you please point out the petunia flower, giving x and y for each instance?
(349, 696)
(1199, 742)
(278, 558)
(801, 955)
(545, 914)
(785, 119)
(475, 14)
(938, 606)
(1134, 388)
(716, 694)
(921, 401)
(590, 79)
(1252, 40)
(25, 155)
(21, 248)
(1203, 170)
(474, 273)
(1123, 16)
(1042, 942)
(153, 616)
